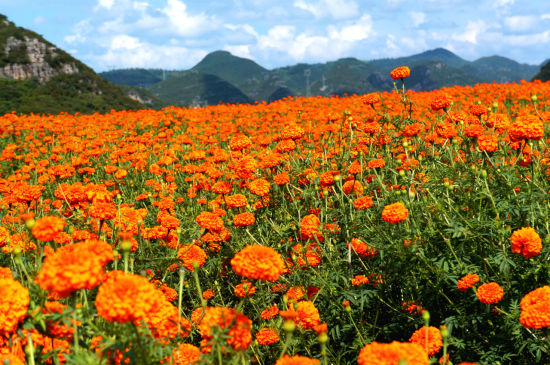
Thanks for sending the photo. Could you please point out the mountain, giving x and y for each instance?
(36, 76)
(544, 73)
(196, 88)
(244, 79)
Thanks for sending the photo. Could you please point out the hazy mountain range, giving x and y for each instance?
(37, 76)
(223, 77)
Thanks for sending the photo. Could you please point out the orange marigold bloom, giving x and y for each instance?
(376, 353)
(362, 249)
(258, 262)
(221, 187)
(487, 142)
(238, 324)
(125, 298)
(400, 73)
(14, 303)
(363, 202)
(210, 221)
(239, 142)
(244, 219)
(75, 266)
(526, 241)
(297, 360)
(11, 359)
(395, 213)
(442, 101)
(259, 187)
(312, 255)
(478, 110)
(185, 354)
(308, 315)
(526, 127)
(236, 201)
(46, 228)
(294, 293)
(429, 338)
(352, 186)
(370, 99)
(244, 289)
(281, 179)
(208, 294)
(489, 293)
(189, 254)
(269, 313)
(121, 174)
(309, 228)
(535, 308)
(413, 129)
(377, 163)
(292, 132)
(103, 210)
(267, 336)
(285, 145)
(467, 282)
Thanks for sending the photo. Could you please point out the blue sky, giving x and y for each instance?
(176, 34)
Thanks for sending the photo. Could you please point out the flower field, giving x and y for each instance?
(389, 228)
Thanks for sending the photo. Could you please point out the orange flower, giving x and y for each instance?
(75, 266)
(377, 353)
(395, 213)
(377, 163)
(292, 132)
(400, 73)
(269, 313)
(526, 241)
(208, 294)
(429, 338)
(236, 201)
(526, 127)
(352, 186)
(363, 202)
(535, 308)
(125, 298)
(467, 282)
(296, 360)
(244, 289)
(185, 354)
(46, 228)
(267, 336)
(309, 228)
(442, 101)
(190, 254)
(487, 142)
(210, 221)
(361, 248)
(258, 262)
(489, 293)
(14, 303)
(103, 210)
(308, 315)
(370, 99)
(238, 325)
(239, 142)
(259, 187)
(244, 219)
(281, 179)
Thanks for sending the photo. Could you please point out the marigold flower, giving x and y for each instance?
(297, 360)
(46, 228)
(309, 228)
(413, 129)
(442, 101)
(478, 110)
(210, 221)
(125, 298)
(526, 241)
(75, 266)
(370, 99)
(292, 132)
(239, 142)
(429, 338)
(377, 163)
(185, 354)
(102, 210)
(238, 324)
(352, 186)
(376, 353)
(190, 254)
(221, 187)
(236, 201)
(535, 308)
(208, 294)
(395, 213)
(14, 303)
(244, 289)
(489, 293)
(267, 336)
(244, 219)
(361, 248)
(281, 179)
(487, 142)
(308, 315)
(400, 73)
(269, 313)
(363, 202)
(467, 282)
(526, 127)
(258, 262)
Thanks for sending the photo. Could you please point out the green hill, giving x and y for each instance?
(544, 73)
(501, 69)
(196, 88)
(36, 76)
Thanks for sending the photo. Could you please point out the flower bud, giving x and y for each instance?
(426, 316)
(125, 245)
(322, 338)
(289, 326)
(534, 98)
(29, 223)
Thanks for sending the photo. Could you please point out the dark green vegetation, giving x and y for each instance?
(544, 73)
(80, 91)
(429, 70)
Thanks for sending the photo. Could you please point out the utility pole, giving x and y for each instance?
(307, 74)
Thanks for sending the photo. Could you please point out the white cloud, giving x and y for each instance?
(239, 50)
(401, 46)
(417, 18)
(184, 23)
(471, 32)
(545, 16)
(107, 4)
(520, 23)
(352, 33)
(502, 3)
(337, 9)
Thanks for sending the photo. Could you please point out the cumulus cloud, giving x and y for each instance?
(471, 32)
(337, 9)
(417, 18)
(521, 23)
(107, 4)
(185, 23)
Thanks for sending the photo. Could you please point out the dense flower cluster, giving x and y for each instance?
(390, 353)
(258, 262)
(14, 302)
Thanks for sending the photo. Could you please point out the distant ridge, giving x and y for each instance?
(250, 81)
